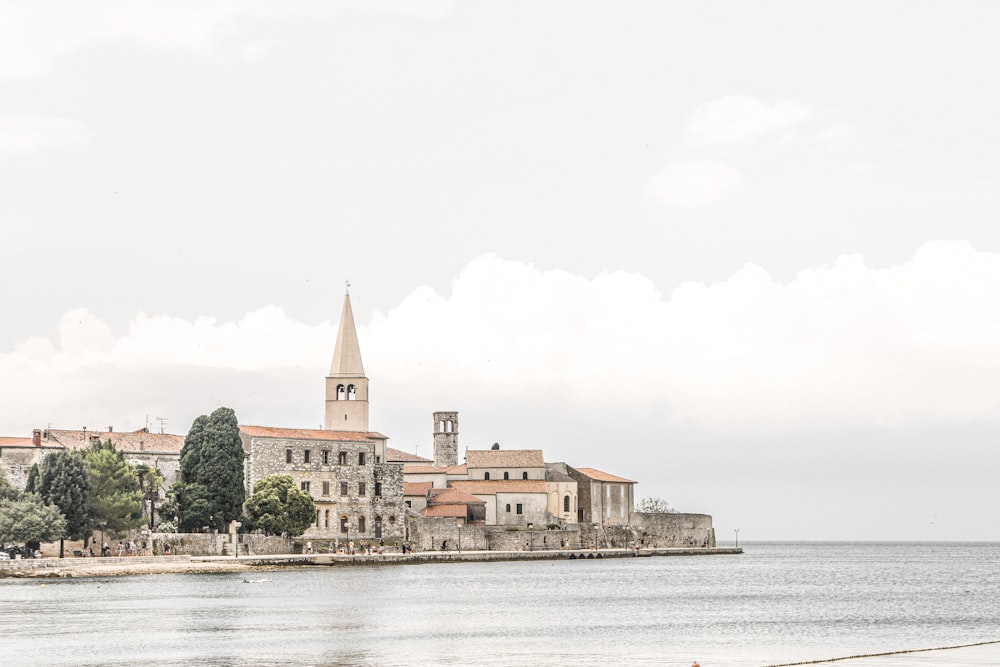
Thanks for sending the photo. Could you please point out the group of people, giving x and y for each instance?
(130, 548)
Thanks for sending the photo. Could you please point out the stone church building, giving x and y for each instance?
(358, 491)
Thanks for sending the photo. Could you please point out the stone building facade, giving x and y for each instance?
(357, 493)
(345, 467)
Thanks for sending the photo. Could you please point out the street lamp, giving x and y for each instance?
(737, 531)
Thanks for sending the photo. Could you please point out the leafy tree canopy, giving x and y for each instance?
(212, 471)
(654, 505)
(115, 497)
(65, 483)
(278, 508)
(30, 520)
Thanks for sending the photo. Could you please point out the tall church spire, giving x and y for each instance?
(347, 351)
(346, 385)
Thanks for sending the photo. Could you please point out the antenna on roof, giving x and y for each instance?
(163, 421)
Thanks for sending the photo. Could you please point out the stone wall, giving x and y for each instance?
(674, 530)
(215, 544)
(445, 534)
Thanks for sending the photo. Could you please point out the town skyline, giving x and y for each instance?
(748, 262)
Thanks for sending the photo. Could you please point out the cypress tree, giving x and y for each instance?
(211, 491)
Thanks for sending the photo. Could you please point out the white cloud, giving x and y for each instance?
(26, 135)
(695, 183)
(35, 34)
(740, 118)
(840, 344)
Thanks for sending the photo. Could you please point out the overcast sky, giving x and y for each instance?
(744, 253)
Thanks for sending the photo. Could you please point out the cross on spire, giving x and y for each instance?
(348, 283)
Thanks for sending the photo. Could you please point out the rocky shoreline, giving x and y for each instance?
(114, 567)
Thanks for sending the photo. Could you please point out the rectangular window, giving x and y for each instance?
(361, 458)
(378, 489)
(361, 488)
(520, 508)
(342, 458)
(305, 486)
(288, 456)
(343, 524)
(378, 459)
(343, 488)
(306, 456)
(326, 491)
(326, 457)
(409, 503)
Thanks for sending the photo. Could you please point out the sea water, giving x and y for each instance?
(776, 603)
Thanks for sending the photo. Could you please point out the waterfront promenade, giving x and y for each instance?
(136, 565)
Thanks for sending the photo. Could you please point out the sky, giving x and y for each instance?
(743, 253)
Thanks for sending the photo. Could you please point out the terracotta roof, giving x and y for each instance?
(397, 455)
(489, 487)
(16, 442)
(600, 476)
(421, 469)
(310, 434)
(455, 496)
(458, 470)
(459, 511)
(417, 488)
(504, 458)
(124, 441)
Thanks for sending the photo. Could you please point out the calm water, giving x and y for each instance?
(776, 603)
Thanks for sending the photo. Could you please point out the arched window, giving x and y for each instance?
(486, 475)
(392, 520)
(524, 475)
(343, 524)
(341, 392)
(352, 392)
(508, 507)
(361, 524)
(506, 475)
(441, 426)
(566, 503)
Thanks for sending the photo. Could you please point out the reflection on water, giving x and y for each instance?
(775, 603)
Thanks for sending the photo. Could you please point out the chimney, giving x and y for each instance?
(36, 437)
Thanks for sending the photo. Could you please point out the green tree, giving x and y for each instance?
(64, 482)
(150, 481)
(31, 485)
(30, 520)
(211, 472)
(115, 497)
(278, 508)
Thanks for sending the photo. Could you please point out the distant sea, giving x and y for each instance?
(776, 603)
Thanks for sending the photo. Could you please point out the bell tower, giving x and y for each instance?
(346, 385)
(445, 439)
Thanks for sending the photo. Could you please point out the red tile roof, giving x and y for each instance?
(16, 442)
(455, 496)
(397, 455)
(489, 487)
(417, 488)
(456, 511)
(124, 441)
(600, 476)
(310, 434)
(458, 470)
